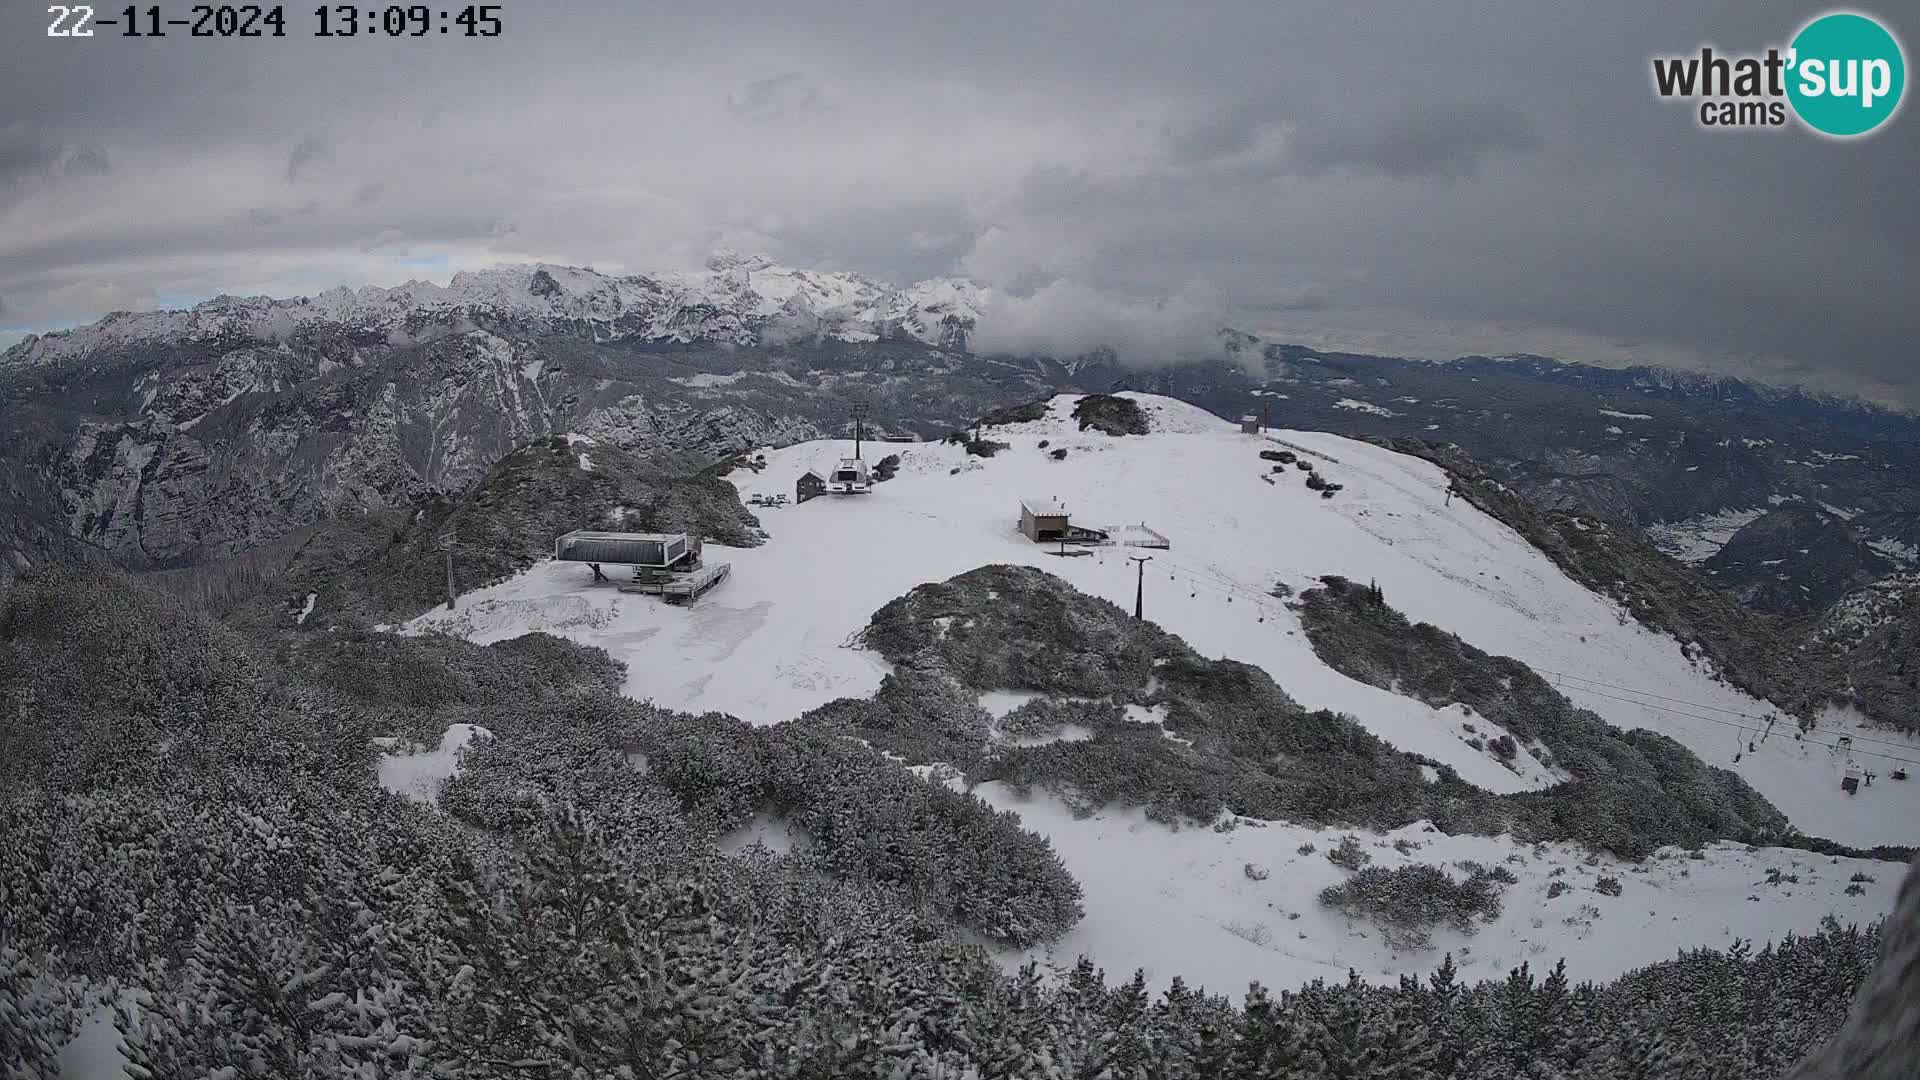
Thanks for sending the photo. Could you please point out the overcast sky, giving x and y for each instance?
(1412, 178)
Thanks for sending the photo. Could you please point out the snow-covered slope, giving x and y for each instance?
(740, 299)
(778, 639)
(1183, 903)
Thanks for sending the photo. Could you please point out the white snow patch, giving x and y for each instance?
(1626, 415)
(300, 619)
(1178, 902)
(706, 379)
(999, 703)
(577, 439)
(770, 831)
(1363, 406)
(586, 463)
(1697, 539)
(1893, 549)
(418, 773)
(94, 1051)
(1067, 733)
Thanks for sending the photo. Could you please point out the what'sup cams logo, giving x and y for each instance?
(1842, 75)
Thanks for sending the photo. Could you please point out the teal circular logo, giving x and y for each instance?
(1845, 74)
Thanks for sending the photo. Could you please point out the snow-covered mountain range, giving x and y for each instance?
(162, 438)
(738, 299)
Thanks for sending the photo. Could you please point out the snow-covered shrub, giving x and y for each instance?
(1349, 855)
(1408, 901)
(1017, 414)
(1110, 414)
(1633, 791)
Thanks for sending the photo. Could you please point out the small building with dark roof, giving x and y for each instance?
(808, 486)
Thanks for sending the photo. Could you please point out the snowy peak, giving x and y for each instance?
(738, 298)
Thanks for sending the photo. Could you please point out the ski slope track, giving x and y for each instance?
(779, 638)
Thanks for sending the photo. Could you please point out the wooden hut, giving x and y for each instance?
(810, 485)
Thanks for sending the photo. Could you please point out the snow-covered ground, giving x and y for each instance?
(1698, 539)
(779, 638)
(417, 772)
(1182, 903)
(94, 1051)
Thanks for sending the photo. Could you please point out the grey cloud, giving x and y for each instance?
(1312, 297)
(87, 161)
(28, 155)
(306, 152)
(1066, 319)
(1430, 141)
(1415, 178)
(778, 97)
(267, 218)
(24, 154)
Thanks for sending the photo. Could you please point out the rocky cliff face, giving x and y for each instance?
(157, 440)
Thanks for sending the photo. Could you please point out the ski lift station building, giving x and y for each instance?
(851, 476)
(665, 564)
(1044, 519)
(651, 551)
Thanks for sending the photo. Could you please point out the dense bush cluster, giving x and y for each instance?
(1632, 792)
(227, 862)
(1017, 628)
(1017, 414)
(1253, 750)
(1349, 855)
(1409, 901)
(917, 713)
(1111, 414)
(207, 787)
(389, 567)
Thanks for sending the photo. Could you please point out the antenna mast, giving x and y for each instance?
(859, 415)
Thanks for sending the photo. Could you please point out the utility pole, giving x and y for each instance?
(447, 542)
(1266, 416)
(859, 416)
(1140, 580)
